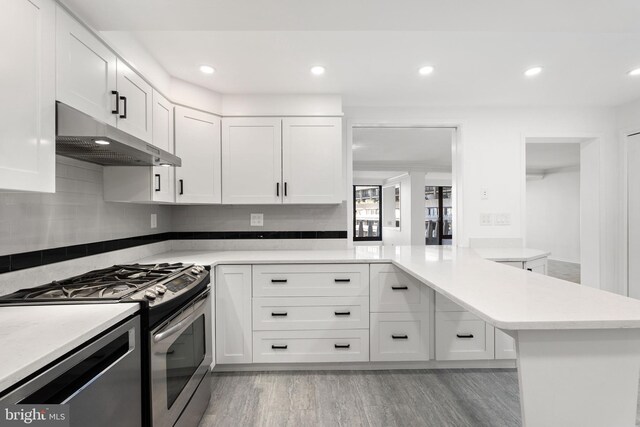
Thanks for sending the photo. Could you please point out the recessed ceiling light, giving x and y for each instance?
(101, 142)
(533, 71)
(317, 70)
(206, 69)
(634, 72)
(426, 70)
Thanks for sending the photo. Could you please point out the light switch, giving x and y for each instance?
(486, 219)
(154, 220)
(503, 219)
(257, 220)
(484, 194)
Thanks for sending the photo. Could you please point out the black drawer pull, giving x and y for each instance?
(342, 313)
(278, 280)
(342, 280)
(157, 176)
(399, 288)
(279, 347)
(400, 337)
(342, 345)
(279, 314)
(464, 336)
(529, 269)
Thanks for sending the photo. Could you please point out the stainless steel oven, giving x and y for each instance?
(181, 356)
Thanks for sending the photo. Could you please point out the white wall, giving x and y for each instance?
(553, 215)
(492, 144)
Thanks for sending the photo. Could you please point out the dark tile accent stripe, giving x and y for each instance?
(25, 260)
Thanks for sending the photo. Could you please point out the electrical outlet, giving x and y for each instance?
(257, 220)
(486, 219)
(503, 219)
(154, 220)
(484, 194)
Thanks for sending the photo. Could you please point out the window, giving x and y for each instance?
(438, 215)
(367, 212)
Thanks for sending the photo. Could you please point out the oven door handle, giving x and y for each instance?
(166, 333)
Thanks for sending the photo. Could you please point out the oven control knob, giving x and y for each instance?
(149, 294)
(161, 289)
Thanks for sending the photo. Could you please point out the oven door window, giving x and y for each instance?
(183, 358)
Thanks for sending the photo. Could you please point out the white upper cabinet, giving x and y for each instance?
(163, 177)
(86, 70)
(198, 145)
(251, 161)
(146, 184)
(27, 111)
(312, 160)
(135, 99)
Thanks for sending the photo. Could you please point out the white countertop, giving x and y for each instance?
(511, 254)
(33, 336)
(506, 297)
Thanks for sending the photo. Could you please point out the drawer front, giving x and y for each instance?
(310, 280)
(311, 346)
(505, 346)
(399, 336)
(307, 313)
(463, 336)
(392, 290)
(445, 304)
(537, 265)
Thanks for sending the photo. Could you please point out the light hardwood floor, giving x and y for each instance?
(487, 397)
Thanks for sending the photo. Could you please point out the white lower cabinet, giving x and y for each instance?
(311, 346)
(392, 290)
(399, 336)
(233, 314)
(462, 336)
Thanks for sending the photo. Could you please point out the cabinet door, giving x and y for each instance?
(505, 346)
(86, 70)
(27, 110)
(251, 161)
(135, 98)
(233, 314)
(312, 160)
(198, 145)
(163, 177)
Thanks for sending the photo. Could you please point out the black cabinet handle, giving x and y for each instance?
(465, 336)
(400, 337)
(117, 94)
(124, 114)
(529, 269)
(278, 189)
(279, 347)
(279, 314)
(181, 181)
(278, 280)
(157, 182)
(342, 313)
(285, 189)
(342, 280)
(399, 288)
(342, 345)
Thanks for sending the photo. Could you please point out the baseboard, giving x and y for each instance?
(367, 366)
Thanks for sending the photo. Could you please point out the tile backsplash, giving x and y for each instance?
(276, 217)
(76, 213)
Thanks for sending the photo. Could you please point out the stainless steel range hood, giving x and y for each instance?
(82, 137)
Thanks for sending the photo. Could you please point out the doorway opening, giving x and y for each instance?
(402, 185)
(562, 205)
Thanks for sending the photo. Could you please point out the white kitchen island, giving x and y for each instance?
(578, 348)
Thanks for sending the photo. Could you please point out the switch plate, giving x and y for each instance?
(154, 220)
(257, 220)
(503, 219)
(486, 219)
(484, 194)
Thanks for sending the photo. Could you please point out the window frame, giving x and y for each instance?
(377, 238)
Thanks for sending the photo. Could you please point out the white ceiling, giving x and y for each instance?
(548, 156)
(372, 49)
(428, 148)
